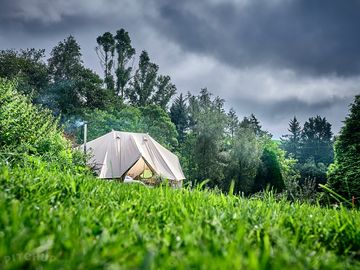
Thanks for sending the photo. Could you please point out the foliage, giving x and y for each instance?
(317, 141)
(143, 85)
(244, 160)
(208, 133)
(28, 67)
(179, 116)
(344, 174)
(65, 61)
(312, 170)
(269, 172)
(73, 86)
(26, 129)
(151, 119)
(124, 54)
(105, 51)
(291, 143)
(53, 219)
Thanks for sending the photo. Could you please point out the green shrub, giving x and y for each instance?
(27, 129)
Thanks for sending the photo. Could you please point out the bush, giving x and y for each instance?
(29, 130)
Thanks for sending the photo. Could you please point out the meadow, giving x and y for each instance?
(51, 218)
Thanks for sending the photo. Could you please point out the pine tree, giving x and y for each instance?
(291, 142)
(344, 174)
(179, 116)
(233, 123)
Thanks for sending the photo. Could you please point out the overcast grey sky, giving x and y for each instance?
(273, 58)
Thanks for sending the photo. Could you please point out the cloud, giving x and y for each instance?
(274, 58)
(308, 36)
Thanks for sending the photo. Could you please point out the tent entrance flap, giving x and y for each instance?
(139, 168)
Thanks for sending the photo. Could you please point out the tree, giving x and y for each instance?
(73, 86)
(253, 123)
(204, 143)
(269, 172)
(165, 90)
(291, 143)
(233, 122)
(179, 116)
(243, 161)
(157, 123)
(105, 51)
(125, 53)
(344, 174)
(65, 60)
(316, 140)
(143, 85)
(28, 67)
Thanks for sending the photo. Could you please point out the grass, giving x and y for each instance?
(52, 219)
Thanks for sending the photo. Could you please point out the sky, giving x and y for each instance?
(274, 58)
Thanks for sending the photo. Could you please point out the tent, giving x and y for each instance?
(117, 154)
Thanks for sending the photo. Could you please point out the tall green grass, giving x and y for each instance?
(51, 218)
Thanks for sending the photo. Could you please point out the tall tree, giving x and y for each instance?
(143, 85)
(73, 86)
(233, 122)
(165, 90)
(207, 138)
(317, 140)
(344, 174)
(105, 51)
(125, 53)
(291, 142)
(65, 60)
(179, 116)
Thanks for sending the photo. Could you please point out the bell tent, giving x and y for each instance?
(117, 154)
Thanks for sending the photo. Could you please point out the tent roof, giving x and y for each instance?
(114, 153)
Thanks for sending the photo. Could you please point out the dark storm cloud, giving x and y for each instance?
(310, 36)
(274, 58)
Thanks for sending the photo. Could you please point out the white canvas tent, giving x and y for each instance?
(117, 154)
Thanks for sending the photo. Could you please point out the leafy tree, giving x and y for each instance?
(253, 123)
(65, 60)
(125, 53)
(344, 174)
(165, 90)
(207, 136)
(74, 87)
(143, 85)
(317, 141)
(105, 51)
(291, 143)
(269, 172)
(315, 172)
(179, 116)
(157, 123)
(243, 161)
(28, 67)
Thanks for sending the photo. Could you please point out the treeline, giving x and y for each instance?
(215, 145)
